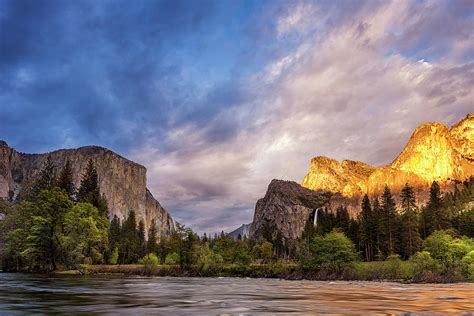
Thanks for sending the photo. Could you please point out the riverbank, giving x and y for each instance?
(395, 271)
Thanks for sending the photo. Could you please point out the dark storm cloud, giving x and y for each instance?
(95, 65)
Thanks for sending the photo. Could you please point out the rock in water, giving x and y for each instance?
(123, 182)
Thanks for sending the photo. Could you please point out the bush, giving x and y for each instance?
(448, 252)
(149, 260)
(206, 259)
(114, 257)
(424, 266)
(334, 251)
(467, 266)
(172, 259)
(263, 252)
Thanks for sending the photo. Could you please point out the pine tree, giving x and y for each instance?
(114, 233)
(343, 219)
(65, 180)
(89, 189)
(129, 239)
(367, 228)
(411, 240)
(141, 248)
(45, 180)
(379, 233)
(151, 242)
(389, 216)
(433, 215)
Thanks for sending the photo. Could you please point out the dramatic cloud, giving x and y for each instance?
(218, 101)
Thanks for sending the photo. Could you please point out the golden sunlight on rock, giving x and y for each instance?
(434, 152)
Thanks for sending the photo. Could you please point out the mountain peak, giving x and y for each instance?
(434, 152)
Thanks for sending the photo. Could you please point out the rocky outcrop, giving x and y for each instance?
(434, 152)
(123, 182)
(243, 231)
(286, 208)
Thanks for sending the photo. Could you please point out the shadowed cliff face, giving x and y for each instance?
(286, 208)
(434, 152)
(122, 181)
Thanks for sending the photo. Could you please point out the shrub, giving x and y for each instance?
(114, 256)
(448, 252)
(424, 266)
(172, 258)
(149, 260)
(334, 251)
(467, 266)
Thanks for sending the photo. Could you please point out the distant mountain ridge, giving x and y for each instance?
(122, 181)
(243, 231)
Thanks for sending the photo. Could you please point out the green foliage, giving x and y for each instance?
(65, 180)
(410, 236)
(151, 245)
(149, 260)
(263, 252)
(448, 251)
(172, 258)
(113, 259)
(89, 189)
(206, 260)
(424, 266)
(45, 180)
(390, 224)
(333, 251)
(85, 235)
(467, 265)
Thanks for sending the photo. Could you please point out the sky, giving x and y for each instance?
(217, 98)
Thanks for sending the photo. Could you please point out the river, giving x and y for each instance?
(28, 293)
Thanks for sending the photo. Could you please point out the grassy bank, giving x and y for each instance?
(399, 271)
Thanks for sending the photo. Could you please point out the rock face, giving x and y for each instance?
(286, 208)
(243, 231)
(434, 152)
(122, 181)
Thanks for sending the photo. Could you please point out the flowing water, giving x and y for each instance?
(26, 294)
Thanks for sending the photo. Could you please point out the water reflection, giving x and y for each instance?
(22, 293)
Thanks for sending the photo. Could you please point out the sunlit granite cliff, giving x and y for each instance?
(434, 152)
(123, 182)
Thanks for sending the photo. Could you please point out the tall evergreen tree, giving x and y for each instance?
(411, 240)
(343, 219)
(114, 233)
(390, 221)
(378, 221)
(367, 229)
(151, 245)
(89, 189)
(45, 180)
(65, 180)
(433, 215)
(141, 247)
(129, 244)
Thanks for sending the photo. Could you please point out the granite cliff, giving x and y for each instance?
(434, 152)
(123, 182)
(286, 208)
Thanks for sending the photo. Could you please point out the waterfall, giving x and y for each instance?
(315, 220)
